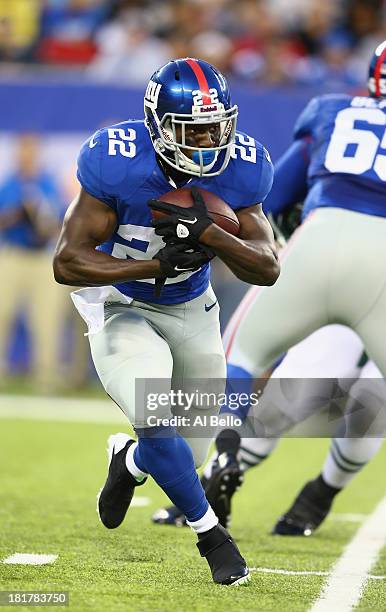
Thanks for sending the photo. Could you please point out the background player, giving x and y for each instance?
(331, 267)
(332, 353)
(187, 137)
(332, 270)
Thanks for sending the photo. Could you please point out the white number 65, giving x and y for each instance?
(367, 143)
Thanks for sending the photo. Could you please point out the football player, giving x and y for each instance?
(333, 266)
(142, 338)
(333, 353)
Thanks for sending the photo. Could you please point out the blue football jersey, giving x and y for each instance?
(347, 166)
(118, 166)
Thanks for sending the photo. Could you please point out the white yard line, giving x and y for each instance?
(140, 502)
(347, 579)
(283, 572)
(30, 559)
(348, 518)
(60, 409)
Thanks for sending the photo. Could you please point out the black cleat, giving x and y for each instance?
(115, 497)
(227, 565)
(169, 516)
(227, 476)
(308, 511)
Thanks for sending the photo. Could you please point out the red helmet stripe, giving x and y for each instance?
(378, 71)
(201, 78)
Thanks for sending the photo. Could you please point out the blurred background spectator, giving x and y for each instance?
(31, 213)
(19, 28)
(274, 41)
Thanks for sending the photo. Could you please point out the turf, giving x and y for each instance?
(51, 473)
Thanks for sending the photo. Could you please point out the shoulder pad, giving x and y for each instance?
(109, 157)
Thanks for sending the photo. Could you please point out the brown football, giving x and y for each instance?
(218, 210)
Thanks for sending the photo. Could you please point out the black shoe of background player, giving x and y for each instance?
(169, 516)
(308, 511)
(115, 497)
(226, 477)
(227, 565)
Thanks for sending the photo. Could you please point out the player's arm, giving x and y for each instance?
(252, 255)
(290, 184)
(87, 224)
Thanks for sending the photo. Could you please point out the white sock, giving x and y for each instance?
(131, 465)
(209, 466)
(254, 450)
(346, 458)
(208, 521)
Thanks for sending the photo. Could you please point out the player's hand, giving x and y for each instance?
(182, 223)
(178, 258)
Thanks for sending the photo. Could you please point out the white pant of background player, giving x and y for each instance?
(332, 272)
(333, 351)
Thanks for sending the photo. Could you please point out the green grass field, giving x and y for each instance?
(51, 472)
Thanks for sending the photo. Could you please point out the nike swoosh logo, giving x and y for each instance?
(186, 221)
(92, 143)
(207, 308)
(177, 269)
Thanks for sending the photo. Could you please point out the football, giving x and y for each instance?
(218, 210)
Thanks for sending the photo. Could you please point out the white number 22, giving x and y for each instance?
(244, 146)
(367, 143)
(123, 141)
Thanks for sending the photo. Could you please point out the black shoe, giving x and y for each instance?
(115, 497)
(225, 561)
(308, 511)
(226, 478)
(169, 516)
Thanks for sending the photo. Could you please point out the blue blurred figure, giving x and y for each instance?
(30, 215)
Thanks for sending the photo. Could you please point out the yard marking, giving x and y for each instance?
(348, 518)
(348, 577)
(271, 570)
(140, 502)
(30, 559)
(63, 409)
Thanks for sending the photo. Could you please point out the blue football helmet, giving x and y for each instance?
(377, 72)
(190, 92)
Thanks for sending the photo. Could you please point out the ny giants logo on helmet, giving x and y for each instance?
(152, 93)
